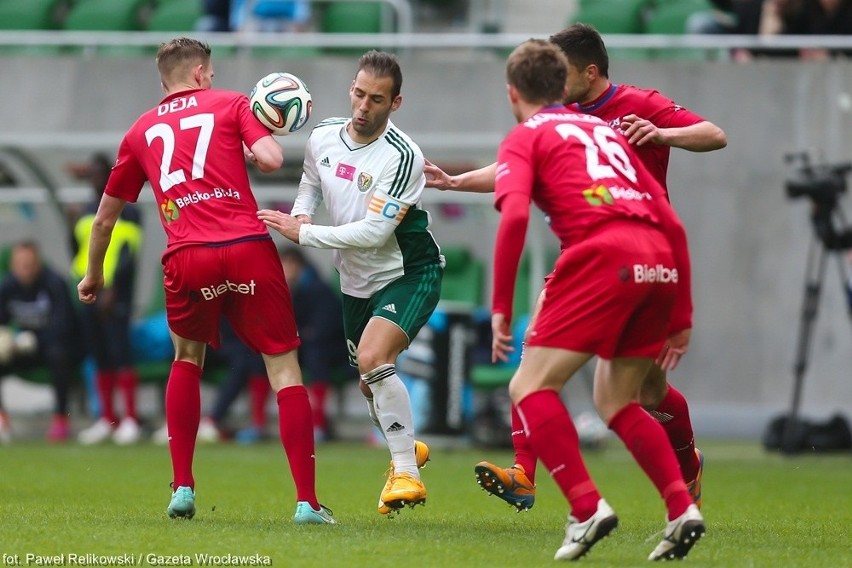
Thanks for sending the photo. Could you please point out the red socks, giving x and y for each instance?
(646, 441)
(673, 414)
(297, 437)
(127, 381)
(554, 440)
(258, 391)
(104, 382)
(318, 392)
(524, 455)
(183, 412)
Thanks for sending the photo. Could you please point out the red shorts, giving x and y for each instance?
(611, 295)
(242, 281)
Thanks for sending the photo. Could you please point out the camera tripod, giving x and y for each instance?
(818, 251)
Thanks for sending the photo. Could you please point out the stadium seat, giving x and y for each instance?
(464, 277)
(32, 14)
(352, 18)
(110, 15)
(174, 16)
(612, 16)
(106, 15)
(615, 17)
(669, 17)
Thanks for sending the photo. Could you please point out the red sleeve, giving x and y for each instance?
(251, 128)
(127, 176)
(508, 247)
(665, 113)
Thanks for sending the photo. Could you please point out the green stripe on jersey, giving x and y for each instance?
(331, 122)
(406, 163)
(415, 242)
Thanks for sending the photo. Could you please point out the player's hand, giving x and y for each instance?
(640, 131)
(87, 289)
(285, 224)
(304, 219)
(249, 154)
(501, 338)
(675, 348)
(436, 177)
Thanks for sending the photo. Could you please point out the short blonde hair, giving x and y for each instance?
(176, 57)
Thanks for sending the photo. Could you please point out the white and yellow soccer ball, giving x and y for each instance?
(282, 102)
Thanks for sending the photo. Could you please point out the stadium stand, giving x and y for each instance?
(32, 14)
(110, 15)
(350, 17)
(669, 17)
(464, 277)
(615, 17)
(174, 15)
(106, 15)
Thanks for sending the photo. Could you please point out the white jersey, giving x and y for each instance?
(372, 193)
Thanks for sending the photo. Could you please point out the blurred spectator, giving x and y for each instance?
(41, 329)
(814, 17)
(216, 18)
(106, 322)
(244, 368)
(775, 17)
(271, 15)
(323, 354)
(728, 17)
(742, 17)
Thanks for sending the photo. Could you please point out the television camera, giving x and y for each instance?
(823, 184)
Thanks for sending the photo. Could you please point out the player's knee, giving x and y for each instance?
(378, 374)
(519, 388)
(371, 359)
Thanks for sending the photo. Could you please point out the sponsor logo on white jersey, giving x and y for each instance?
(217, 290)
(390, 308)
(644, 274)
(325, 162)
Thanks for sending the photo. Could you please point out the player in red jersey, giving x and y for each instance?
(653, 124)
(219, 259)
(620, 287)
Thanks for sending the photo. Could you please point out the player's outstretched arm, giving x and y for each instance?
(474, 181)
(700, 137)
(107, 215)
(286, 225)
(267, 154)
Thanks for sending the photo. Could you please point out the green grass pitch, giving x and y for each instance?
(761, 509)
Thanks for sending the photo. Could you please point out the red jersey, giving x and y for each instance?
(577, 170)
(620, 100)
(582, 174)
(190, 149)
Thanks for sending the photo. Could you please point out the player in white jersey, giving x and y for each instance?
(370, 176)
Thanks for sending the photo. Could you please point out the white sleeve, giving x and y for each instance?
(383, 217)
(309, 196)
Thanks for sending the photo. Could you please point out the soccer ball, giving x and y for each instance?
(282, 102)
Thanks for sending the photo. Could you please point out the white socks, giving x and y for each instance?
(390, 410)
